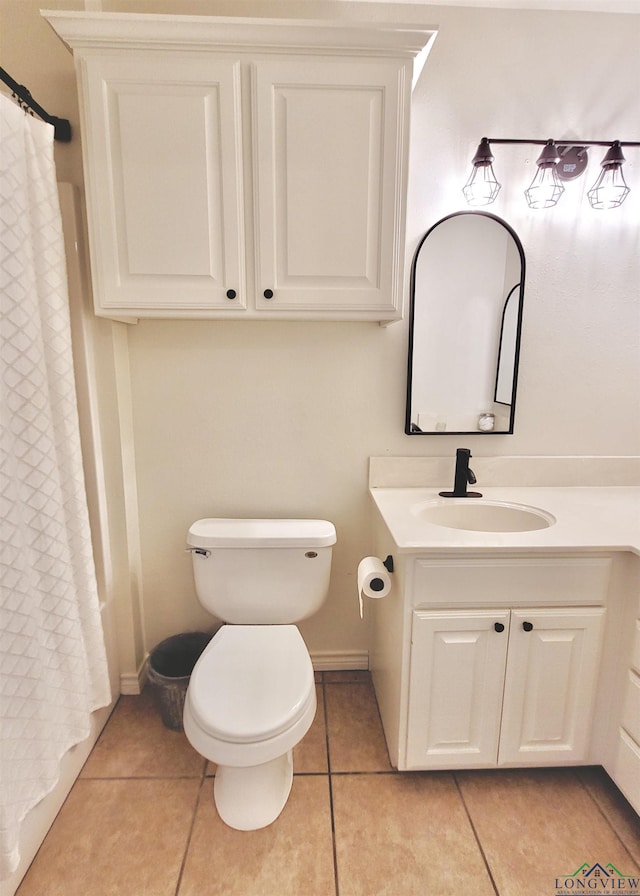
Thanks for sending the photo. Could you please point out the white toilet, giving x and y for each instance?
(251, 696)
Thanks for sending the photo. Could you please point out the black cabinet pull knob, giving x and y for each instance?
(268, 293)
(527, 626)
(499, 627)
(231, 293)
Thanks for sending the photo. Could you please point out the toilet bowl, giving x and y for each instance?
(251, 699)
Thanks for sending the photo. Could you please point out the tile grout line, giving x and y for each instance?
(601, 811)
(203, 778)
(371, 773)
(475, 834)
(144, 777)
(333, 825)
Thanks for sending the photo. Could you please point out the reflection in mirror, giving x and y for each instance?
(467, 291)
(507, 347)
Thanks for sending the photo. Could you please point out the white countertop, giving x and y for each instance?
(594, 518)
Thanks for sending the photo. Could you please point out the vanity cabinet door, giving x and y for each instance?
(455, 691)
(550, 684)
(163, 162)
(329, 167)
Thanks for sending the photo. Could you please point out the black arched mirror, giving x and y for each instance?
(467, 293)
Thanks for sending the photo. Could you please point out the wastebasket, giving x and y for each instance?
(171, 663)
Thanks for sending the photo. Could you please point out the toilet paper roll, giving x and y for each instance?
(374, 580)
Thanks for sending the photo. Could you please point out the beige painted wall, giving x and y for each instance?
(255, 418)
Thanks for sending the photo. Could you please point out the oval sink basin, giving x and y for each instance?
(483, 516)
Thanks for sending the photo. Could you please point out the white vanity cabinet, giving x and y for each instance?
(241, 168)
(485, 661)
(502, 687)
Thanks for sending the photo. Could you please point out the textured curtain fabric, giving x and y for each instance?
(53, 668)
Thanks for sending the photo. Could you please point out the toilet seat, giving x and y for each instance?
(252, 683)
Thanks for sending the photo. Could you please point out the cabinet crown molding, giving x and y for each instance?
(88, 30)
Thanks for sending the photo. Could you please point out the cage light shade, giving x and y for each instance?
(482, 186)
(545, 188)
(610, 189)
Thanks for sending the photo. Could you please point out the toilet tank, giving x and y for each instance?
(261, 572)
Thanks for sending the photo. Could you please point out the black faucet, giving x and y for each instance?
(463, 476)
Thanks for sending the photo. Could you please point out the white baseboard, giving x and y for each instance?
(339, 660)
(132, 683)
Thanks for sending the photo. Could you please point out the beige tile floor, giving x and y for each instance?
(140, 820)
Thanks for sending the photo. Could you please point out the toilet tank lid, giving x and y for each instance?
(232, 533)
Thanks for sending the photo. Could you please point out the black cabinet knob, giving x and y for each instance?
(268, 293)
(231, 293)
(527, 626)
(499, 627)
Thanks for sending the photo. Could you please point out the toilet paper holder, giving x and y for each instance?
(374, 579)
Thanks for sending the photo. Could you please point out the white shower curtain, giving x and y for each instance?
(53, 668)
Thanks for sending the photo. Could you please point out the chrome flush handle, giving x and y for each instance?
(202, 552)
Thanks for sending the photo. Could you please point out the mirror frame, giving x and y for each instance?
(516, 360)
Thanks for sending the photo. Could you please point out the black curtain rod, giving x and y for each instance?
(61, 126)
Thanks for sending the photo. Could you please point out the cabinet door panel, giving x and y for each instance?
(550, 685)
(164, 183)
(456, 684)
(153, 188)
(327, 156)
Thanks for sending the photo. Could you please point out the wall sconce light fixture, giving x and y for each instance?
(482, 186)
(561, 161)
(545, 189)
(610, 190)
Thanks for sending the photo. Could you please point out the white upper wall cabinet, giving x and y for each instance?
(163, 162)
(325, 184)
(244, 168)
